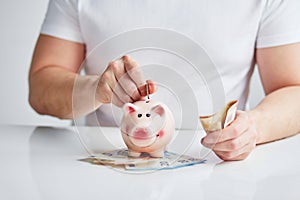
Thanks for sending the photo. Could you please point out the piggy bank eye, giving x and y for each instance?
(148, 115)
(139, 115)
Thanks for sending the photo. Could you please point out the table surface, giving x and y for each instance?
(42, 163)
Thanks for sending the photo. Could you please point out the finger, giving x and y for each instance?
(129, 87)
(234, 156)
(234, 130)
(122, 78)
(114, 92)
(116, 101)
(121, 94)
(151, 88)
(104, 92)
(237, 127)
(207, 145)
(109, 78)
(106, 83)
(212, 137)
(118, 68)
(236, 153)
(233, 144)
(133, 70)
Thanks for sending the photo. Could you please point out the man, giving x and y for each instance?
(236, 34)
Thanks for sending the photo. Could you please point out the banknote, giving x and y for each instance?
(220, 119)
(119, 158)
(169, 161)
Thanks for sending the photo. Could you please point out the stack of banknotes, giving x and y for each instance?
(119, 158)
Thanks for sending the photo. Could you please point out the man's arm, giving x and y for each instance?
(276, 117)
(278, 114)
(54, 68)
(56, 88)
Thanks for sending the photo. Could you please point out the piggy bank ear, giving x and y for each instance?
(158, 109)
(129, 108)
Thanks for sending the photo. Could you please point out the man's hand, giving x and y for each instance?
(122, 82)
(236, 141)
(57, 89)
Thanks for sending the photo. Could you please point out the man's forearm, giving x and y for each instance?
(278, 115)
(61, 93)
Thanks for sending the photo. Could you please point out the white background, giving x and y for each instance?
(20, 23)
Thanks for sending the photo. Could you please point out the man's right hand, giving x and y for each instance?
(57, 89)
(122, 82)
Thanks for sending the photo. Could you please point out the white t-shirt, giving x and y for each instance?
(229, 31)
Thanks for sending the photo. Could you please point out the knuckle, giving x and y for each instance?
(225, 155)
(209, 146)
(113, 66)
(235, 131)
(114, 62)
(125, 58)
(234, 144)
(228, 155)
(217, 136)
(204, 143)
(105, 76)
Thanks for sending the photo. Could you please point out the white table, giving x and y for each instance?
(42, 163)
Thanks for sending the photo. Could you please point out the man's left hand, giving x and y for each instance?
(234, 142)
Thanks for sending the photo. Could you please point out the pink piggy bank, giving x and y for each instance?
(147, 127)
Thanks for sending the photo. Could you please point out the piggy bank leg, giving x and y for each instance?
(157, 154)
(133, 154)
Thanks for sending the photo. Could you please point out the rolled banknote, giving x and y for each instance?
(220, 119)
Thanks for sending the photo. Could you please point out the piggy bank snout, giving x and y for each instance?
(142, 133)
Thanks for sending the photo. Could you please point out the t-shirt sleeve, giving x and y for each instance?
(280, 23)
(62, 20)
